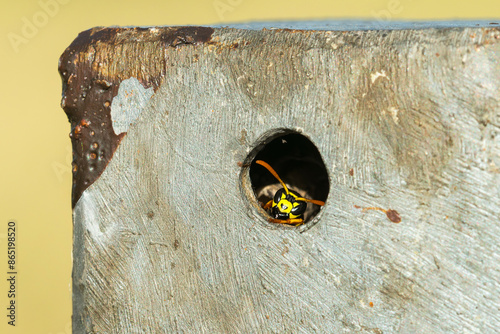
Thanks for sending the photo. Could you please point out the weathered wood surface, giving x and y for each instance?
(166, 239)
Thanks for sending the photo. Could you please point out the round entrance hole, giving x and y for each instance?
(298, 163)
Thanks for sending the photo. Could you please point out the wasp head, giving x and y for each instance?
(287, 206)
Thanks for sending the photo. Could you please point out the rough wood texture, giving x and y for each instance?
(169, 239)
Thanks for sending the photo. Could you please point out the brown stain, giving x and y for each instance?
(92, 68)
(242, 165)
(371, 304)
(392, 215)
(415, 132)
(285, 250)
(291, 31)
(488, 37)
(351, 172)
(220, 47)
(187, 35)
(243, 137)
(373, 330)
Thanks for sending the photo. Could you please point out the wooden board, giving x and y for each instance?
(169, 238)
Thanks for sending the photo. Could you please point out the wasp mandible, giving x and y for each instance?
(287, 206)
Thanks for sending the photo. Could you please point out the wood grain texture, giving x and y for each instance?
(168, 239)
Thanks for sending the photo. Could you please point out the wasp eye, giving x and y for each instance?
(299, 208)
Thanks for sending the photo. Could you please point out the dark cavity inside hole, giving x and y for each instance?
(298, 163)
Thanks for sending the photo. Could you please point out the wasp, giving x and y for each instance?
(287, 206)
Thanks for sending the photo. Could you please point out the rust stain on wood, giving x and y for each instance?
(392, 215)
(91, 81)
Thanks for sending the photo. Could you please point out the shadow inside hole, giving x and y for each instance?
(298, 163)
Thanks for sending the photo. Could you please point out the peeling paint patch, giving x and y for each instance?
(89, 86)
(128, 104)
(394, 113)
(87, 210)
(376, 75)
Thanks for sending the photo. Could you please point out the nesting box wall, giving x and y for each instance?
(168, 235)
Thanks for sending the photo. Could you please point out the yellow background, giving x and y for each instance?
(35, 150)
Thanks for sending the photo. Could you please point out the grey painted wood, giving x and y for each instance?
(167, 240)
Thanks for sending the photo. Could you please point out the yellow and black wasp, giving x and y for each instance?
(287, 206)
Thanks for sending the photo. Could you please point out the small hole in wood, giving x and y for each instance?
(299, 165)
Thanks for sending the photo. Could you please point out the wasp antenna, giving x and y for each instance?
(272, 171)
(313, 201)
